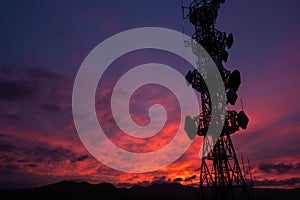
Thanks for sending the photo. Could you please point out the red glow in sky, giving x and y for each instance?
(43, 45)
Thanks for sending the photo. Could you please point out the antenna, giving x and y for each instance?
(183, 8)
(242, 104)
(250, 171)
(243, 167)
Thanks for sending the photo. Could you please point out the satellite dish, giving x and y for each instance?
(221, 1)
(234, 80)
(231, 96)
(229, 41)
(189, 77)
(225, 56)
(190, 127)
(243, 120)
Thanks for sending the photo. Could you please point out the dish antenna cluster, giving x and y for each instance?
(221, 176)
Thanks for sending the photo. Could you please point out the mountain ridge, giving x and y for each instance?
(156, 191)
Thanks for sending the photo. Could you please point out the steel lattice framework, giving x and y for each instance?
(221, 175)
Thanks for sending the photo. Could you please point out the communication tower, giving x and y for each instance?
(221, 176)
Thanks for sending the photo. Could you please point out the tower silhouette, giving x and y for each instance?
(221, 176)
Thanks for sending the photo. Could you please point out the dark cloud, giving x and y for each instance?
(30, 156)
(3, 135)
(31, 165)
(124, 185)
(35, 100)
(51, 107)
(80, 158)
(9, 168)
(159, 179)
(22, 161)
(190, 178)
(7, 147)
(18, 72)
(13, 116)
(144, 183)
(177, 179)
(39, 154)
(6, 159)
(11, 90)
(18, 83)
(279, 168)
(284, 182)
(42, 73)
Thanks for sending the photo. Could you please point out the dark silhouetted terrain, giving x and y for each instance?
(73, 190)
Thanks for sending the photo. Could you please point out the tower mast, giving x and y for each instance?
(221, 176)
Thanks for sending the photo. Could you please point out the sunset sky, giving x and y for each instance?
(43, 44)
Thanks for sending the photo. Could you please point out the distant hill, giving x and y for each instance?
(106, 191)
